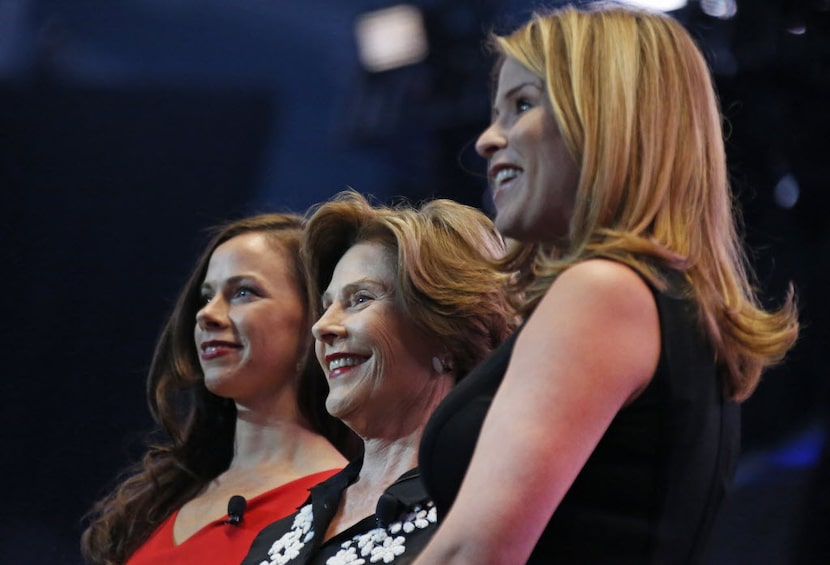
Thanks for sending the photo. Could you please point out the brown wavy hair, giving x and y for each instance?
(634, 101)
(197, 427)
(446, 276)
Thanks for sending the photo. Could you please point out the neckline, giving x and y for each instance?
(254, 501)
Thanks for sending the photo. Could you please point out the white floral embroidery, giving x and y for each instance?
(289, 545)
(366, 542)
(421, 519)
(391, 548)
(377, 545)
(346, 556)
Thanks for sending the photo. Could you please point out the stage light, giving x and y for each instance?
(658, 5)
(721, 9)
(390, 38)
(787, 191)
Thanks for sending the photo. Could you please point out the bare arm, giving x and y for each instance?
(591, 345)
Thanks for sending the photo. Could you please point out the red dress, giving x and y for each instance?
(218, 542)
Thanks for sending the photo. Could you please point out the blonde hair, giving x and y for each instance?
(446, 276)
(636, 106)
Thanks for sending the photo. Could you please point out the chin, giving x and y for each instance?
(335, 408)
(345, 411)
(505, 228)
(220, 383)
(217, 389)
(213, 383)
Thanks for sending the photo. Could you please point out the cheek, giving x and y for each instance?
(395, 343)
(530, 138)
(386, 348)
(319, 352)
(403, 343)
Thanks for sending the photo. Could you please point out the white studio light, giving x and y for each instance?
(721, 9)
(787, 191)
(656, 5)
(390, 38)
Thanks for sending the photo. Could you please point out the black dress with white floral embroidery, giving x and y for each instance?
(403, 523)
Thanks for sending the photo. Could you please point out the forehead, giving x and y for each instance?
(251, 253)
(512, 75)
(365, 260)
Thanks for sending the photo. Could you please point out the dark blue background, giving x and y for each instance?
(128, 127)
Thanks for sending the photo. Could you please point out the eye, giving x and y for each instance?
(244, 292)
(360, 298)
(205, 298)
(523, 105)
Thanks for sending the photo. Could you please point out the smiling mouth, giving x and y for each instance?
(214, 349)
(505, 175)
(339, 364)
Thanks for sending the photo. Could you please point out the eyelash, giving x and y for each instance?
(523, 105)
(354, 299)
(243, 292)
(239, 292)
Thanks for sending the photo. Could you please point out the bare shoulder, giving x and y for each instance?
(604, 275)
(599, 318)
(604, 287)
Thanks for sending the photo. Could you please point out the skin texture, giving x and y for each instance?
(210, 446)
(395, 288)
(388, 396)
(537, 203)
(249, 335)
(609, 309)
(363, 320)
(250, 299)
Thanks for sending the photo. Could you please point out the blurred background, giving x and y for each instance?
(127, 128)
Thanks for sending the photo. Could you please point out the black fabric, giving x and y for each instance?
(403, 523)
(652, 487)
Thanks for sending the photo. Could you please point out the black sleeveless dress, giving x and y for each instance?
(650, 491)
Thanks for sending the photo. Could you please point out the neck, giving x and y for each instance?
(268, 427)
(384, 461)
(272, 451)
(260, 441)
(282, 441)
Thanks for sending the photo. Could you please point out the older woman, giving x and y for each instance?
(409, 303)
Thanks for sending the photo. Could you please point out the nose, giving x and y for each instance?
(491, 140)
(329, 326)
(214, 314)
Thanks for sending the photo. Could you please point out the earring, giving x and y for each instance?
(441, 366)
(437, 365)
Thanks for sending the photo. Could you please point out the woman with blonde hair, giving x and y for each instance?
(609, 423)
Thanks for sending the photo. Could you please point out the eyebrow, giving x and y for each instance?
(520, 86)
(236, 279)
